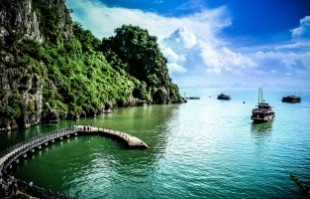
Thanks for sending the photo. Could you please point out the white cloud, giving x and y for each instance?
(304, 45)
(211, 59)
(103, 20)
(273, 71)
(176, 68)
(193, 47)
(303, 31)
(288, 59)
(205, 54)
(178, 36)
(219, 59)
(173, 56)
(192, 5)
(186, 38)
(237, 59)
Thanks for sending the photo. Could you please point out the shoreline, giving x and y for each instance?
(104, 111)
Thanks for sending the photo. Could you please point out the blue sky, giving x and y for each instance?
(221, 44)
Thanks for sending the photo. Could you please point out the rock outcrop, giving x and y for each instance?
(21, 92)
(18, 21)
(51, 68)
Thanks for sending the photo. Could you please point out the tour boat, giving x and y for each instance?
(192, 98)
(291, 99)
(263, 112)
(223, 96)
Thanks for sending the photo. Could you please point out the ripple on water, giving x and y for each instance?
(203, 149)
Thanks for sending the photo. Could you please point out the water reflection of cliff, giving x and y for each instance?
(100, 159)
(149, 123)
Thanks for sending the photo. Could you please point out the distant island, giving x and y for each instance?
(51, 68)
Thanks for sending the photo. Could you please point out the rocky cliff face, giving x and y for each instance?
(51, 68)
(21, 99)
(20, 91)
(20, 19)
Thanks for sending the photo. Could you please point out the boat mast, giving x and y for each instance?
(260, 95)
(259, 98)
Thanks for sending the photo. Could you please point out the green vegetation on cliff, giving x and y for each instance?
(51, 68)
(134, 51)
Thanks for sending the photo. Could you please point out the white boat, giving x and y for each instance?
(263, 111)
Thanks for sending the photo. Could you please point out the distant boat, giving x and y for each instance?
(291, 99)
(263, 111)
(223, 96)
(193, 98)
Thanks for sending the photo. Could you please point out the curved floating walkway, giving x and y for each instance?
(20, 150)
(131, 141)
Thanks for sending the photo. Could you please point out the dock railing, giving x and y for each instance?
(11, 154)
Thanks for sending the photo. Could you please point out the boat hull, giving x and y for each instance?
(257, 119)
(291, 99)
(222, 96)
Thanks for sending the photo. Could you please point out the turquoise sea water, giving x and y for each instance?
(202, 149)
